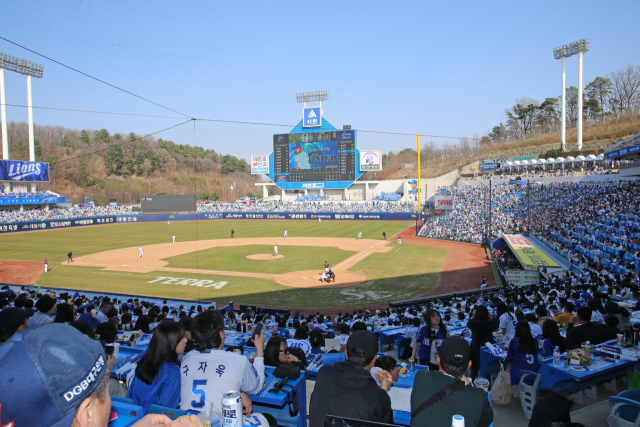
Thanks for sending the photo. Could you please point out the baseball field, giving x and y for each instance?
(206, 263)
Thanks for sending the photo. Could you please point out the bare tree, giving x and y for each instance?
(625, 90)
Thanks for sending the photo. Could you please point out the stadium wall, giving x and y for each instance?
(203, 216)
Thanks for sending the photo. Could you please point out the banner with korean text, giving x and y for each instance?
(530, 256)
(522, 277)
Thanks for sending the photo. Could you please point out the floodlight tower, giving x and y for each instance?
(314, 96)
(563, 52)
(30, 69)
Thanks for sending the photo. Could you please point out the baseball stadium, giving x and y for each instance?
(345, 260)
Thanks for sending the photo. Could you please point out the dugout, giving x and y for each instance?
(163, 204)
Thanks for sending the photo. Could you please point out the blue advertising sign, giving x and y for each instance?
(31, 200)
(311, 117)
(488, 165)
(120, 219)
(17, 170)
(623, 151)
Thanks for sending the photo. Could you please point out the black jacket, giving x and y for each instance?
(472, 403)
(349, 391)
(595, 333)
(481, 333)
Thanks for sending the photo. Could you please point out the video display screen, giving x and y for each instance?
(314, 157)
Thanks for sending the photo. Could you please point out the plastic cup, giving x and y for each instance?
(482, 383)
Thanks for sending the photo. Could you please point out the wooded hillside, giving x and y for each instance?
(98, 164)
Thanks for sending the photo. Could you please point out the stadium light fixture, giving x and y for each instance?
(564, 52)
(22, 66)
(313, 96)
(29, 69)
(581, 46)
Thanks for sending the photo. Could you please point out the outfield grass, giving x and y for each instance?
(54, 244)
(295, 258)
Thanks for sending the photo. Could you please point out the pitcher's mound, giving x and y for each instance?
(264, 256)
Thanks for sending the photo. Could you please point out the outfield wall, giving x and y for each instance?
(203, 216)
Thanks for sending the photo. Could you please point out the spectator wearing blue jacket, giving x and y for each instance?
(157, 377)
(429, 338)
(524, 350)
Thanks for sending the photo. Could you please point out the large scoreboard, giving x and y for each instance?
(315, 159)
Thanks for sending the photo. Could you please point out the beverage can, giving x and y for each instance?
(232, 409)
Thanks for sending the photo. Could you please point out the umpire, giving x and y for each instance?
(331, 275)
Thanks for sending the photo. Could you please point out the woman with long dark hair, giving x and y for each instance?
(142, 324)
(157, 377)
(276, 352)
(524, 350)
(481, 326)
(428, 339)
(65, 313)
(551, 338)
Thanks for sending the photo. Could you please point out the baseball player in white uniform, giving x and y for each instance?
(399, 240)
(285, 234)
(141, 255)
(319, 220)
(359, 235)
(275, 249)
(174, 239)
(168, 222)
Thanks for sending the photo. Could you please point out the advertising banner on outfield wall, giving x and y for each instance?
(522, 277)
(119, 219)
(16, 170)
(444, 202)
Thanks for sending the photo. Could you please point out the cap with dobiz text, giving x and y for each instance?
(46, 372)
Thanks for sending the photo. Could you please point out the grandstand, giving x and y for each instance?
(389, 196)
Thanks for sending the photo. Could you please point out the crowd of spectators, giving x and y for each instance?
(538, 172)
(595, 226)
(40, 194)
(528, 320)
(467, 221)
(311, 198)
(389, 196)
(39, 214)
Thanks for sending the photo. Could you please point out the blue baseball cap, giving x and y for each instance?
(46, 372)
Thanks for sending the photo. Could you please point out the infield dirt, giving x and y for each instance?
(128, 259)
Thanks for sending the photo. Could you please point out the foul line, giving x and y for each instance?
(397, 250)
(191, 270)
(360, 255)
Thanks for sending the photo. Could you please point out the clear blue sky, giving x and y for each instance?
(440, 68)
